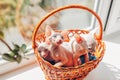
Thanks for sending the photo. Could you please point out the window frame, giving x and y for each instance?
(103, 13)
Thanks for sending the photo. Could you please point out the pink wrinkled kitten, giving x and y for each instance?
(80, 48)
(61, 55)
(44, 51)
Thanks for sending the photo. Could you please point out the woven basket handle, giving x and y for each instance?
(98, 37)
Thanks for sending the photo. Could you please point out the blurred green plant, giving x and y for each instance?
(8, 12)
(16, 54)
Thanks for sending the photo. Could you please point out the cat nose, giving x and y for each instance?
(60, 41)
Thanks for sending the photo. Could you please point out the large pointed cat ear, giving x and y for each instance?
(48, 31)
(65, 35)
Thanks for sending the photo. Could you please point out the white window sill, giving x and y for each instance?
(108, 69)
(6, 66)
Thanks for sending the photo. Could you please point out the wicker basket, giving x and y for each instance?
(68, 73)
